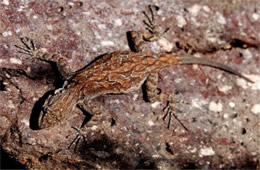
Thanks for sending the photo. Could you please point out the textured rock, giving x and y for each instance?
(136, 137)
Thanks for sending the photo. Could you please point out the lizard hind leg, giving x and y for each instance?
(154, 94)
(138, 40)
(151, 26)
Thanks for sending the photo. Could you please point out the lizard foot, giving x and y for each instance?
(151, 26)
(80, 134)
(28, 48)
(137, 40)
(58, 62)
(170, 111)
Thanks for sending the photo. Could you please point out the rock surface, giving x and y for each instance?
(221, 111)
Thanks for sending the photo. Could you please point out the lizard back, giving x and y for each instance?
(119, 72)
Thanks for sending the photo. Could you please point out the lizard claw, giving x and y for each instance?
(79, 135)
(150, 24)
(170, 113)
(28, 48)
(150, 21)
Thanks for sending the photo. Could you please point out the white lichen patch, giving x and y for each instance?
(211, 39)
(35, 17)
(20, 9)
(155, 104)
(109, 34)
(180, 21)
(26, 122)
(107, 43)
(94, 49)
(86, 13)
(155, 47)
(197, 55)
(1, 61)
(192, 149)
(256, 80)
(225, 88)
(44, 50)
(5, 2)
(101, 26)
(94, 127)
(226, 116)
(215, 106)
(49, 27)
(242, 83)
(18, 30)
(178, 80)
(7, 33)
(7, 75)
(183, 139)
(11, 104)
(71, 4)
(116, 101)
(255, 16)
(247, 53)
(198, 103)
(221, 19)
(135, 97)
(4, 122)
(194, 10)
(78, 33)
(237, 122)
(231, 104)
(156, 156)
(15, 61)
(118, 22)
(206, 152)
(165, 44)
(255, 109)
(206, 8)
(150, 123)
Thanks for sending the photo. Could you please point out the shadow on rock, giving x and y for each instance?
(37, 108)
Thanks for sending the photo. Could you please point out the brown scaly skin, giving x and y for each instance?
(116, 72)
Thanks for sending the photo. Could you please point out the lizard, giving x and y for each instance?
(113, 73)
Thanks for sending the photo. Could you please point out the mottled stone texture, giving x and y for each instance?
(221, 111)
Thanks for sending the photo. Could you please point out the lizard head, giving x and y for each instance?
(56, 108)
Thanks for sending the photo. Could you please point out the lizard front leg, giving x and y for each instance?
(154, 94)
(60, 62)
(93, 113)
